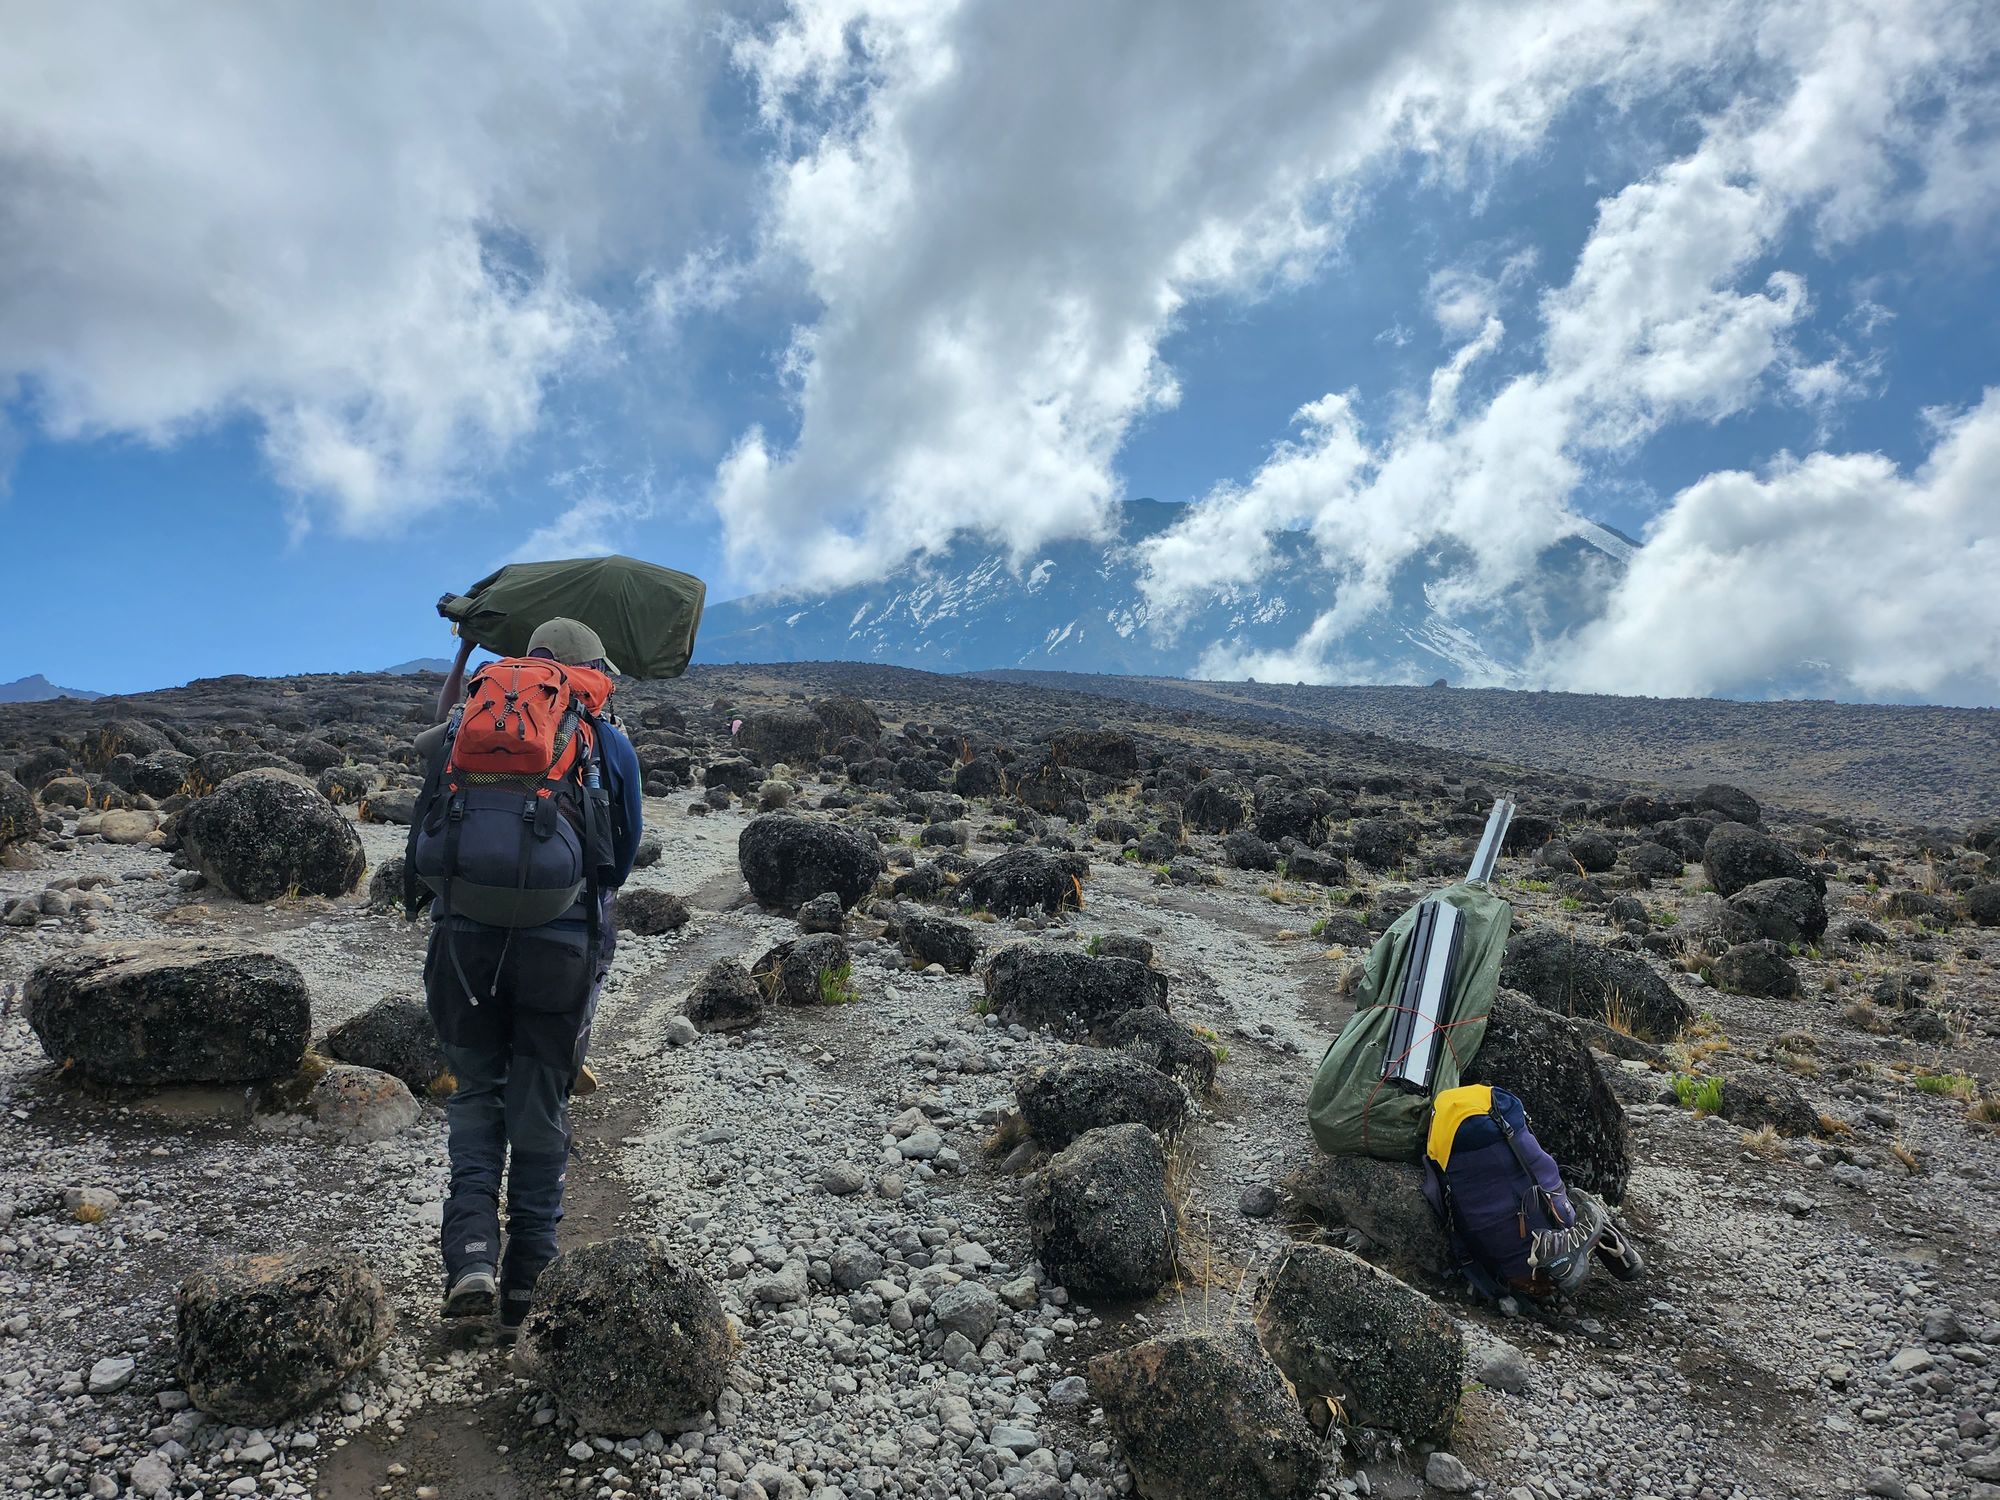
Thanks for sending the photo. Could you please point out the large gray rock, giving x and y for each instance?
(627, 1339)
(1086, 1088)
(926, 939)
(263, 834)
(1783, 909)
(1158, 1040)
(1729, 803)
(394, 1036)
(1069, 992)
(1545, 1062)
(1023, 881)
(725, 998)
(1737, 856)
(1217, 805)
(648, 912)
(787, 860)
(1383, 1201)
(1206, 1414)
(1099, 1214)
(263, 1337)
(808, 970)
(185, 1011)
(792, 735)
(1383, 1353)
(1760, 968)
(1575, 978)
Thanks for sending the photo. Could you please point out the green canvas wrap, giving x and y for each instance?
(647, 615)
(1352, 1112)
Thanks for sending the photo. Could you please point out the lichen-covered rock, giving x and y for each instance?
(1217, 805)
(385, 886)
(627, 1339)
(926, 939)
(1737, 855)
(849, 718)
(1102, 752)
(362, 1103)
(177, 1011)
(646, 912)
(1085, 1088)
(20, 819)
(395, 1035)
(1729, 803)
(1206, 1414)
(1755, 1103)
(823, 913)
(1382, 1352)
(805, 971)
(1099, 1214)
(725, 998)
(1069, 992)
(1784, 910)
(1575, 978)
(1158, 1040)
(1381, 1200)
(1546, 1063)
(787, 860)
(1023, 881)
(263, 1337)
(790, 735)
(265, 833)
(1760, 968)
(1982, 905)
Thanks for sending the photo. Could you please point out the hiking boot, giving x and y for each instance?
(471, 1292)
(1618, 1255)
(516, 1302)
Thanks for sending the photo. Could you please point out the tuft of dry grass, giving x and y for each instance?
(1907, 1157)
(1833, 1125)
(1985, 1111)
(1764, 1140)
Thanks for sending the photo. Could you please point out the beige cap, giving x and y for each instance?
(570, 642)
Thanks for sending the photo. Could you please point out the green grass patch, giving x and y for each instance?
(836, 985)
(1702, 1095)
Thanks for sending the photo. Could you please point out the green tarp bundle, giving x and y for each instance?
(646, 615)
(1353, 1112)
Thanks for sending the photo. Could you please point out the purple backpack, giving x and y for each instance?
(1500, 1198)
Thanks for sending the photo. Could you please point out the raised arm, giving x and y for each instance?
(454, 681)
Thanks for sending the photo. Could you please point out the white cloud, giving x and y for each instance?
(1836, 572)
(378, 241)
(1668, 315)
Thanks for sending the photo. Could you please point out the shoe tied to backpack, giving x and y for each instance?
(1563, 1255)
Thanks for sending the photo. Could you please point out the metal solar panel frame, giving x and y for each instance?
(1423, 999)
(1487, 855)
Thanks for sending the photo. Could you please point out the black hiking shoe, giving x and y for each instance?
(471, 1292)
(1618, 1254)
(516, 1302)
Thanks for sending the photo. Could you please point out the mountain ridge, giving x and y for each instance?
(35, 688)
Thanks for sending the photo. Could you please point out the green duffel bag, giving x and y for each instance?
(646, 615)
(1352, 1110)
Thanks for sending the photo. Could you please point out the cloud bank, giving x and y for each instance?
(391, 248)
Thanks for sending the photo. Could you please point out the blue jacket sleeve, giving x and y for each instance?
(621, 766)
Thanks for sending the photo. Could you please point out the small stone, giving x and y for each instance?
(681, 1032)
(843, 1178)
(112, 1374)
(1259, 1201)
(1504, 1368)
(1069, 1392)
(1886, 1483)
(1911, 1361)
(1016, 1440)
(1444, 1472)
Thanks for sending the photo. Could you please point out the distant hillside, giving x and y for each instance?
(38, 689)
(1079, 606)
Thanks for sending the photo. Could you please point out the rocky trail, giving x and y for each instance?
(854, 1167)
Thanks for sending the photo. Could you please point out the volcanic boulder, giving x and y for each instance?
(1217, 805)
(725, 998)
(263, 1337)
(1785, 910)
(1758, 968)
(787, 860)
(1544, 1061)
(177, 1011)
(1085, 1088)
(646, 912)
(1163, 1043)
(1206, 1414)
(20, 819)
(810, 970)
(1022, 881)
(1381, 1200)
(394, 1036)
(1737, 856)
(1574, 978)
(1103, 752)
(1383, 1353)
(848, 718)
(791, 735)
(265, 833)
(926, 939)
(627, 1339)
(1069, 992)
(1730, 803)
(1099, 1214)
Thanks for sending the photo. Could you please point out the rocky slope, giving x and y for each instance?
(1807, 1137)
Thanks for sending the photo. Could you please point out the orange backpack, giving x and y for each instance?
(528, 716)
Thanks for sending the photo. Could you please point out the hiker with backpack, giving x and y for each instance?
(528, 822)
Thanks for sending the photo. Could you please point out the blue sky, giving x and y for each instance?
(814, 285)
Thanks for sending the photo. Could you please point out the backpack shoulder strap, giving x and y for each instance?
(433, 776)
